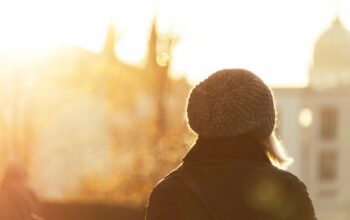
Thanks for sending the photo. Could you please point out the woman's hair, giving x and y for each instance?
(276, 152)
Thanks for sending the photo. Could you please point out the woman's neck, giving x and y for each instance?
(240, 147)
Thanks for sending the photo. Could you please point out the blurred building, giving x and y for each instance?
(91, 127)
(314, 124)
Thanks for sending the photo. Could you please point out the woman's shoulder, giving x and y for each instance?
(169, 185)
(298, 196)
(164, 202)
(290, 178)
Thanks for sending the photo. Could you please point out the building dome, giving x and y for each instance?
(331, 60)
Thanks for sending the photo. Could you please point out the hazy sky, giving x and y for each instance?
(273, 38)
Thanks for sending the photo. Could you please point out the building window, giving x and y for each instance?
(329, 123)
(328, 166)
(305, 117)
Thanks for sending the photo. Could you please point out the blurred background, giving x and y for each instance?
(93, 93)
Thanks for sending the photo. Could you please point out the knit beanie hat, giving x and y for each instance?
(229, 103)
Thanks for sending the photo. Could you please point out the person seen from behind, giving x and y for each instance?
(236, 168)
(17, 200)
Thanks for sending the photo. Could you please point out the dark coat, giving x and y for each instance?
(237, 180)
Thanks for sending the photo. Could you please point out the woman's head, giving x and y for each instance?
(232, 102)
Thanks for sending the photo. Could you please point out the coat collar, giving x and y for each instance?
(242, 147)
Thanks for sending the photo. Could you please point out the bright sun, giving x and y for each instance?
(264, 36)
(35, 25)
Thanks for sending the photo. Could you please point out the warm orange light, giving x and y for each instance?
(267, 38)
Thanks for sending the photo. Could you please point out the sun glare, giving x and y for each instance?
(36, 25)
(213, 34)
(93, 92)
